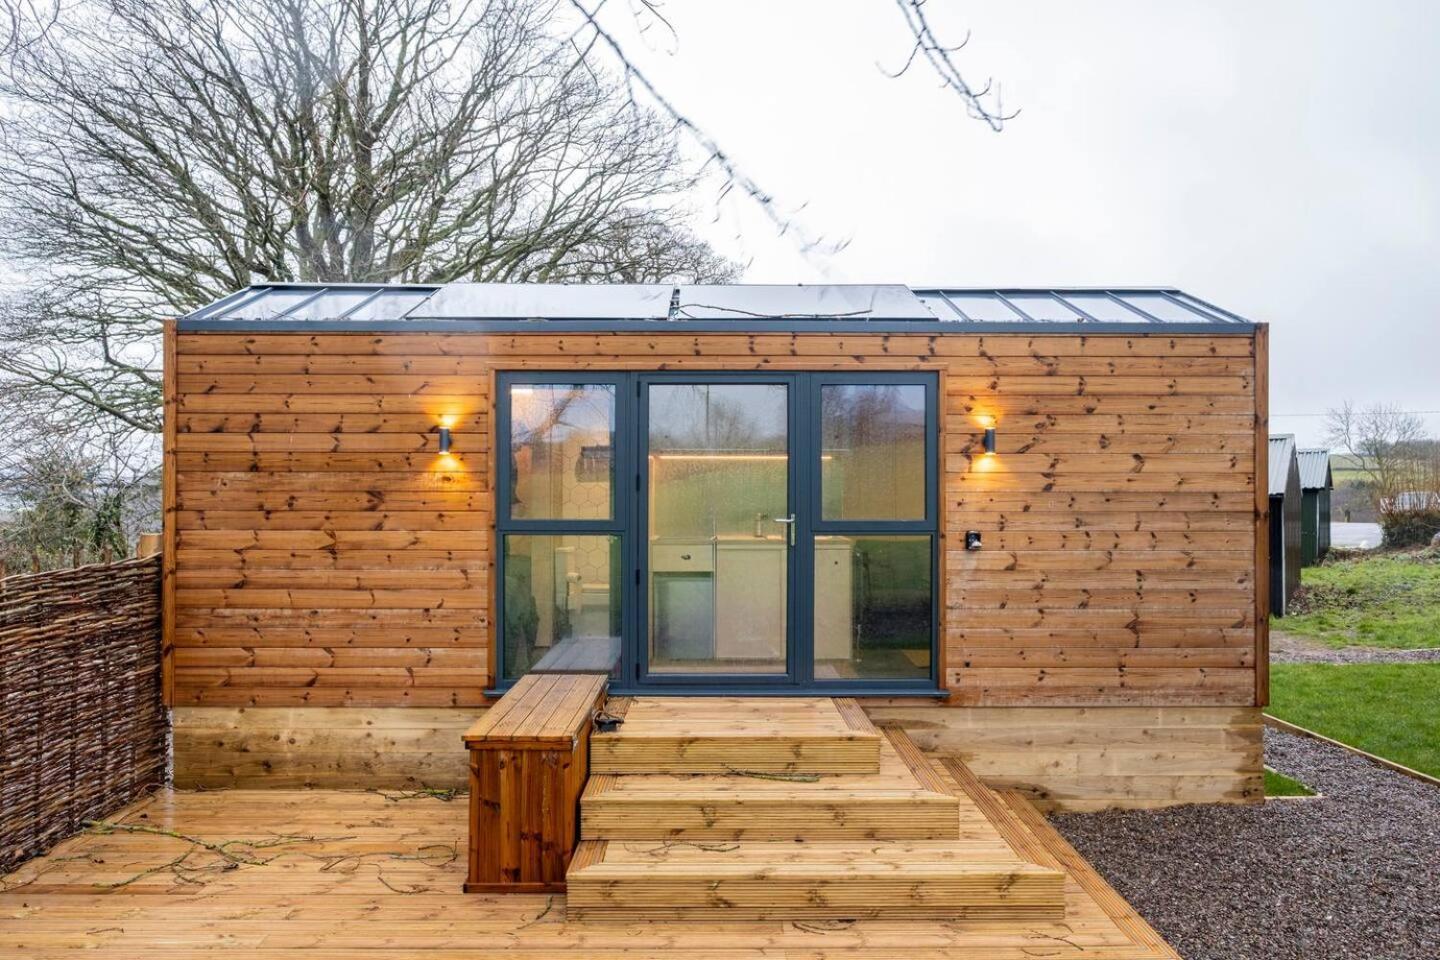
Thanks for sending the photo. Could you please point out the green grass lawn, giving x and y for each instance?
(1379, 600)
(1389, 709)
(1279, 785)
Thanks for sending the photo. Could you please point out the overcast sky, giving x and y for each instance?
(1278, 159)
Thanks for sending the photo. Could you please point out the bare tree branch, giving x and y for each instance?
(940, 58)
(158, 154)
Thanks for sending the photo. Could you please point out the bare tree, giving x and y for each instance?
(981, 102)
(1390, 448)
(157, 154)
(70, 493)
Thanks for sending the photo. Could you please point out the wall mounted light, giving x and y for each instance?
(444, 439)
(989, 441)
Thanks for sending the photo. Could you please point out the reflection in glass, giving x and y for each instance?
(562, 604)
(872, 464)
(1039, 306)
(1103, 309)
(718, 460)
(873, 613)
(1160, 307)
(562, 451)
(983, 306)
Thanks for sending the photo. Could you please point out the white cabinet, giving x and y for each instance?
(750, 599)
(834, 598)
(739, 585)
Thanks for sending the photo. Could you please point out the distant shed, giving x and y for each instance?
(1285, 527)
(1316, 483)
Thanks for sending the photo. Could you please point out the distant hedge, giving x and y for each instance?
(1409, 528)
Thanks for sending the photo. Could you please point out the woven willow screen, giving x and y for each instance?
(82, 728)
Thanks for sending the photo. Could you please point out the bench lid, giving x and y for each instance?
(542, 709)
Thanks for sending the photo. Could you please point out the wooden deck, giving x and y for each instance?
(330, 875)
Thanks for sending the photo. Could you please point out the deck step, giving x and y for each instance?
(905, 799)
(718, 735)
(945, 880)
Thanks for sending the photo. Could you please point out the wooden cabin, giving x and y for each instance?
(1285, 523)
(1316, 482)
(1025, 527)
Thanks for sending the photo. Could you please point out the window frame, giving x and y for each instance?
(818, 526)
(628, 496)
(507, 525)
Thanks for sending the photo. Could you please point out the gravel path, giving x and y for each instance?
(1354, 875)
(1288, 648)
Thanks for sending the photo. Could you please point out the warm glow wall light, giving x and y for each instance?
(989, 441)
(444, 439)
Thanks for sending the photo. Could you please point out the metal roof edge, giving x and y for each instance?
(202, 324)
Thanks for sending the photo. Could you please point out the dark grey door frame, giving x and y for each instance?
(629, 522)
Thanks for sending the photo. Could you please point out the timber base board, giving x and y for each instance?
(1062, 758)
(333, 748)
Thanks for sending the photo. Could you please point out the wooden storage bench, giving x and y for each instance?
(528, 764)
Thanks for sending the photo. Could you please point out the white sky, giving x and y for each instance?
(1279, 159)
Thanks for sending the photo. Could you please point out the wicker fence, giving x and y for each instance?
(82, 728)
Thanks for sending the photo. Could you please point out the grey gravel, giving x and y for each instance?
(1288, 648)
(1352, 874)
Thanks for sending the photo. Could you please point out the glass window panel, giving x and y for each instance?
(1039, 306)
(872, 457)
(270, 305)
(330, 305)
(719, 458)
(718, 561)
(1206, 311)
(1102, 308)
(1165, 309)
(562, 440)
(874, 615)
(982, 306)
(391, 305)
(938, 306)
(562, 603)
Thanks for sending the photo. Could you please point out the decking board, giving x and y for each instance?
(295, 907)
(952, 879)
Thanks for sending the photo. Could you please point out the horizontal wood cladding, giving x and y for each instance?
(1078, 759)
(1065, 758)
(326, 556)
(332, 748)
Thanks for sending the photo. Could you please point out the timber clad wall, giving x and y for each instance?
(327, 556)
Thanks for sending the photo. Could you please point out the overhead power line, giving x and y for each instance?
(1418, 413)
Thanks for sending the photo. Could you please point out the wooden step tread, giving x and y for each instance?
(756, 881)
(718, 735)
(904, 800)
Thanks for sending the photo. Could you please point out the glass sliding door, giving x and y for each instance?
(719, 529)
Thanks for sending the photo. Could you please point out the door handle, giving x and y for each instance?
(790, 527)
